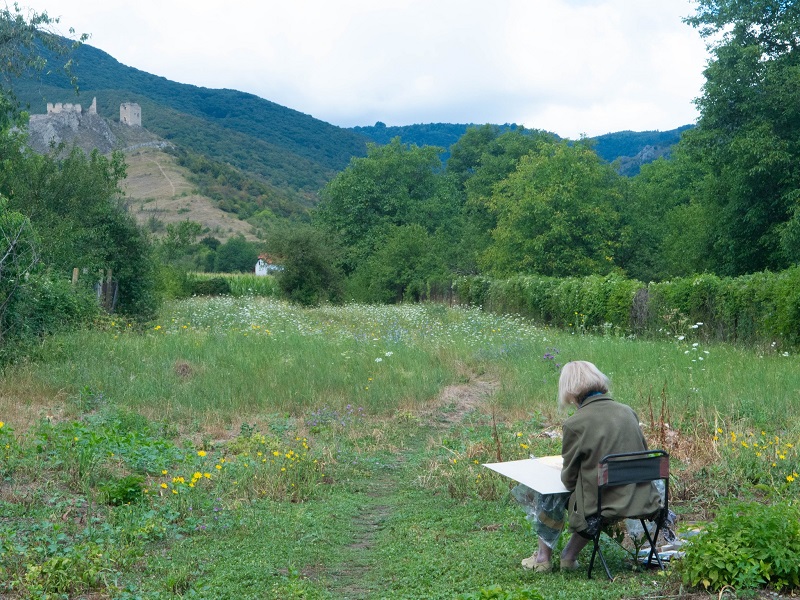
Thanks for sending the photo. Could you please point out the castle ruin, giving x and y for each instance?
(66, 107)
(67, 122)
(130, 113)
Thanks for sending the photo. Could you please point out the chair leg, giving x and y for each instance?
(605, 565)
(595, 546)
(652, 540)
(597, 552)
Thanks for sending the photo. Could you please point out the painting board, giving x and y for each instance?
(541, 474)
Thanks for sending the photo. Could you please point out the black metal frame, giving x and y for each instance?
(626, 468)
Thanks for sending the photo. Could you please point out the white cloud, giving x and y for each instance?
(568, 66)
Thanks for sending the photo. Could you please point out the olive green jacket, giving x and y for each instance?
(602, 426)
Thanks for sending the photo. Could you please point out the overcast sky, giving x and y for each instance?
(568, 66)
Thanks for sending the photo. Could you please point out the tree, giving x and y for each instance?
(402, 268)
(394, 185)
(670, 228)
(76, 200)
(18, 256)
(479, 160)
(557, 214)
(748, 134)
(236, 255)
(22, 36)
(309, 259)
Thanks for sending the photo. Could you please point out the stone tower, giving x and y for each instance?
(130, 113)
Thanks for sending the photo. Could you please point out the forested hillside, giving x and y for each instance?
(291, 152)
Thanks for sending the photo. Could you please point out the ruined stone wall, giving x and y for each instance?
(61, 107)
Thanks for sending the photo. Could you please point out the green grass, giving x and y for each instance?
(291, 453)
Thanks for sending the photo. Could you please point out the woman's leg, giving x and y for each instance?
(575, 544)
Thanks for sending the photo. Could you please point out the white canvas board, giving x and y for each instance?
(540, 474)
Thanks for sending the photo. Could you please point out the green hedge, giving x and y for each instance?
(757, 308)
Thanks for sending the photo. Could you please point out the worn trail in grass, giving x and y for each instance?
(358, 575)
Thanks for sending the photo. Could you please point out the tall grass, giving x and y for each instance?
(229, 358)
(244, 284)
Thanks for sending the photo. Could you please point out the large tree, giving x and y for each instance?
(748, 135)
(75, 204)
(393, 186)
(482, 158)
(557, 214)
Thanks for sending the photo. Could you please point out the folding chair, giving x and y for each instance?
(631, 467)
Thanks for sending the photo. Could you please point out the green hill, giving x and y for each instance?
(291, 152)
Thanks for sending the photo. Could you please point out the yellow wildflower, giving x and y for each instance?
(201, 453)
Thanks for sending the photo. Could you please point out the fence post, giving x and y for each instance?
(74, 275)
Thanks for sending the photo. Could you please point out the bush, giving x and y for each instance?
(42, 306)
(310, 273)
(748, 545)
(215, 286)
(237, 255)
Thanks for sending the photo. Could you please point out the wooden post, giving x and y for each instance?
(74, 275)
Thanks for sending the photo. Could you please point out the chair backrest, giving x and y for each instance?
(633, 467)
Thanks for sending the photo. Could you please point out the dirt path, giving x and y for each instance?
(348, 580)
(160, 168)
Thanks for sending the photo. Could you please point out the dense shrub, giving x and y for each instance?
(213, 286)
(41, 306)
(748, 545)
(176, 283)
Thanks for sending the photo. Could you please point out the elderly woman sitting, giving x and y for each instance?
(599, 426)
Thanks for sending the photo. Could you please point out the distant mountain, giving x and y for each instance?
(631, 148)
(636, 148)
(442, 135)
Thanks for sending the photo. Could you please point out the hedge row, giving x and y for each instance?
(757, 308)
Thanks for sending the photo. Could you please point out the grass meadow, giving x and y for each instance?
(248, 448)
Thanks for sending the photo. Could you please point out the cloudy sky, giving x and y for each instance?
(568, 66)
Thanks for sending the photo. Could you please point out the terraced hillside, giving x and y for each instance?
(159, 193)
